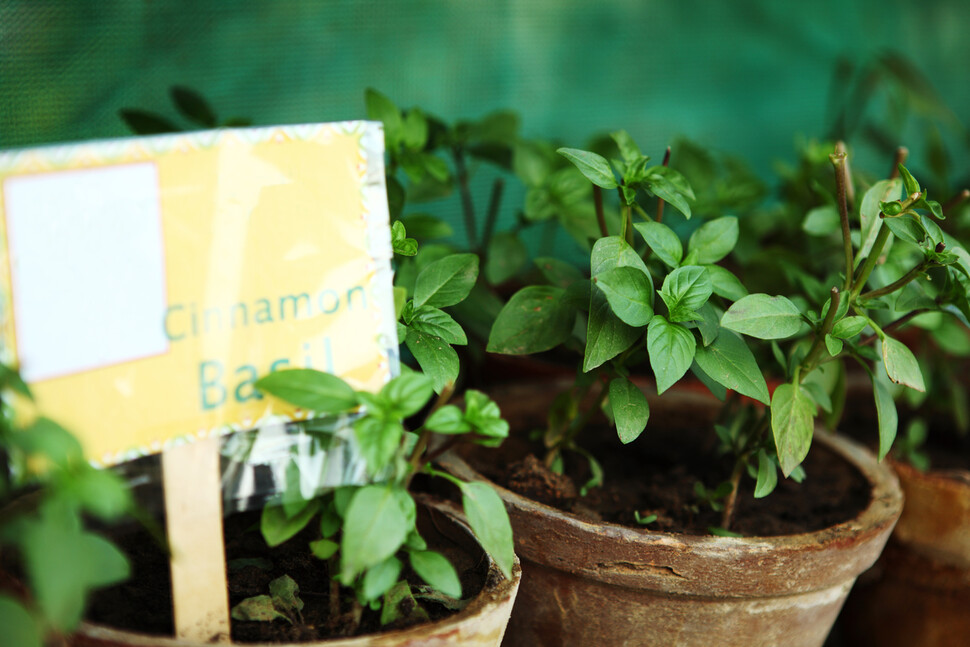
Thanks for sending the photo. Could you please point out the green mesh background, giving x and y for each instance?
(742, 76)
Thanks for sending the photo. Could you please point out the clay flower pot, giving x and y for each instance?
(604, 584)
(920, 594)
(481, 623)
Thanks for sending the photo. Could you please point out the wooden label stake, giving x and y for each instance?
(193, 505)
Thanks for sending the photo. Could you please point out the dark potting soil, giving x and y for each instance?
(657, 473)
(144, 603)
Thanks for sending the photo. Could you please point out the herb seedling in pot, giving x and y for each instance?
(368, 533)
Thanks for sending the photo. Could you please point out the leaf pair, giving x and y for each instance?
(190, 104)
(660, 181)
(283, 602)
(481, 417)
(428, 331)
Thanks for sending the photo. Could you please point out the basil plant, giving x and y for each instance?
(368, 532)
(654, 300)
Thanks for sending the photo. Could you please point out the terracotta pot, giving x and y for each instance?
(481, 623)
(604, 584)
(920, 593)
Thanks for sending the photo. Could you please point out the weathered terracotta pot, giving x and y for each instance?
(604, 584)
(482, 623)
(919, 595)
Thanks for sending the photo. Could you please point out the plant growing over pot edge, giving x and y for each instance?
(364, 529)
(703, 310)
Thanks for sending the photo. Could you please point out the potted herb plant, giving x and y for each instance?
(928, 550)
(586, 579)
(368, 561)
(49, 561)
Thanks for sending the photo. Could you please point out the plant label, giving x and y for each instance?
(147, 283)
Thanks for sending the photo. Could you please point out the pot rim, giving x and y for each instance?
(486, 602)
(662, 560)
(957, 480)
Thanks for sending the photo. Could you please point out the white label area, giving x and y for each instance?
(87, 268)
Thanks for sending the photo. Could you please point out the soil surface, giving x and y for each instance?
(144, 603)
(657, 475)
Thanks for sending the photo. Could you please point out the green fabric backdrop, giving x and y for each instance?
(742, 76)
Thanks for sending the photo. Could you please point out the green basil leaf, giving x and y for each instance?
(763, 316)
(379, 579)
(286, 595)
(816, 391)
(629, 292)
(792, 423)
(662, 240)
(725, 284)
(489, 521)
(408, 393)
(44, 437)
(484, 415)
(10, 378)
(536, 318)
(908, 228)
(375, 527)
(901, 364)
(886, 415)
(193, 106)
(435, 569)
(684, 291)
(379, 440)
(414, 132)
(437, 359)
(19, 627)
(606, 334)
(849, 327)
(630, 409)
(611, 252)
(767, 476)
(909, 182)
(277, 527)
(438, 323)
(628, 148)
(259, 608)
(729, 362)
(595, 167)
(671, 187)
(708, 323)
(833, 345)
(714, 240)
(142, 122)
(310, 389)
(822, 221)
(324, 548)
(869, 212)
(403, 246)
(380, 108)
(671, 349)
(446, 281)
(449, 419)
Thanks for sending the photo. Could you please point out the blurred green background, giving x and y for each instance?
(745, 77)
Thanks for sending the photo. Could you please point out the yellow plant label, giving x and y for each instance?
(147, 283)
